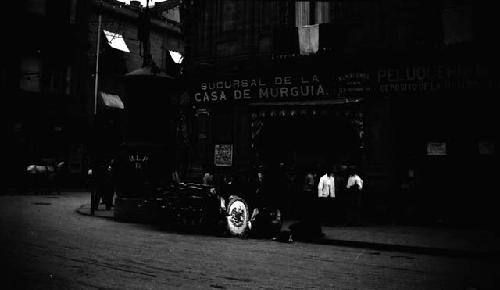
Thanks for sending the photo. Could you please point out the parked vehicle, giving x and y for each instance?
(145, 190)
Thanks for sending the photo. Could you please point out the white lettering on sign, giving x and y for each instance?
(138, 160)
(278, 87)
(426, 78)
(284, 92)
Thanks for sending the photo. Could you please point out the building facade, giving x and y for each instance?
(128, 35)
(402, 89)
(40, 73)
(48, 75)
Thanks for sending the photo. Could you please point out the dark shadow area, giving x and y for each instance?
(451, 253)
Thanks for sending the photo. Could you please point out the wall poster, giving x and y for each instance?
(223, 155)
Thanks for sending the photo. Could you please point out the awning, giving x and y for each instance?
(176, 56)
(112, 101)
(115, 40)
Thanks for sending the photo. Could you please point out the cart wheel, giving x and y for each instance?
(237, 217)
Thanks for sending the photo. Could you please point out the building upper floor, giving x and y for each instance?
(222, 31)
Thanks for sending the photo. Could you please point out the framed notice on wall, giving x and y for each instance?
(223, 155)
(436, 148)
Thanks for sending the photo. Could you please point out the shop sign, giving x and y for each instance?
(436, 148)
(261, 89)
(139, 161)
(223, 155)
(352, 84)
(421, 78)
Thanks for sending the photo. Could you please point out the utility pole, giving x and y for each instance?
(93, 194)
(96, 85)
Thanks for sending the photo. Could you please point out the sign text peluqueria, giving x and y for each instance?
(260, 89)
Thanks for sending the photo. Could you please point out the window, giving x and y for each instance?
(302, 13)
(73, 12)
(30, 70)
(228, 17)
(172, 15)
(35, 6)
(312, 12)
(58, 80)
(457, 25)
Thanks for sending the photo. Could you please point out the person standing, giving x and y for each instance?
(326, 185)
(326, 190)
(103, 183)
(312, 207)
(354, 194)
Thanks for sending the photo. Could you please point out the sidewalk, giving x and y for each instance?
(419, 240)
(410, 239)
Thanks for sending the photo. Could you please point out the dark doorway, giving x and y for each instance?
(309, 141)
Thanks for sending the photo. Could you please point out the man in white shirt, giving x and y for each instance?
(326, 186)
(353, 180)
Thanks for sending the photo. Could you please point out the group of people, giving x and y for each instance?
(344, 189)
(335, 195)
(101, 179)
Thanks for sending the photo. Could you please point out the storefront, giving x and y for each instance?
(302, 121)
(442, 115)
(409, 124)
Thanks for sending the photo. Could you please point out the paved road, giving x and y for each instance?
(45, 244)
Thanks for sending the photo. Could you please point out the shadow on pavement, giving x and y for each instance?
(216, 232)
(452, 253)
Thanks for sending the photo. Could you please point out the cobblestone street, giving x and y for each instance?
(47, 245)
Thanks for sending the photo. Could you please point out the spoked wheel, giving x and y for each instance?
(238, 216)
